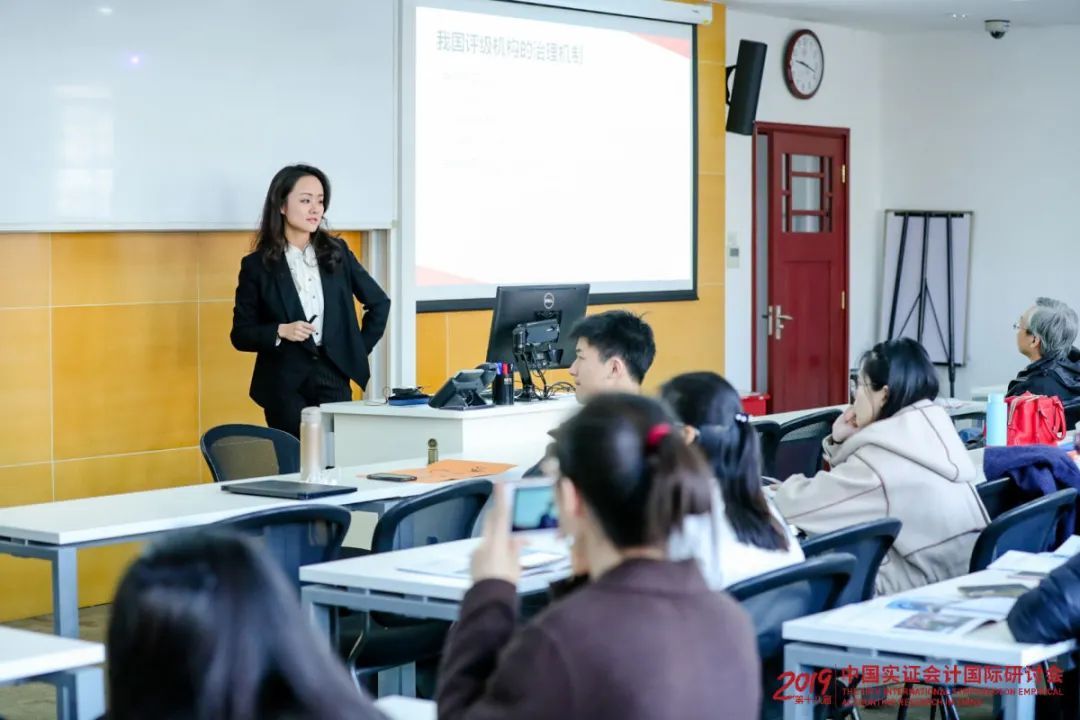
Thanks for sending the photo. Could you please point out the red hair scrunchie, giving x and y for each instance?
(656, 433)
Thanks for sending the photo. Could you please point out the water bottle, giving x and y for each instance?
(996, 421)
(312, 457)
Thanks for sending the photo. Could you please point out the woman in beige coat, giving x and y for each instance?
(894, 453)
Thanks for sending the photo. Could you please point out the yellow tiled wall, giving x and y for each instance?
(115, 358)
(689, 335)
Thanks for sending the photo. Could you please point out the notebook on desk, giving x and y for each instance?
(288, 489)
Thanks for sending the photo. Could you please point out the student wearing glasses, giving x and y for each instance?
(1045, 335)
(895, 453)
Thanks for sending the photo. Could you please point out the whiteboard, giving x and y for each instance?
(175, 114)
(936, 304)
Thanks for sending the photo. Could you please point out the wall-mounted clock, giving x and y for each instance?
(804, 64)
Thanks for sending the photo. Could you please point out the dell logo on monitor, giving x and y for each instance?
(549, 301)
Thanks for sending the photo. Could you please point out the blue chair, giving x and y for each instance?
(296, 535)
(867, 542)
(798, 449)
(789, 593)
(236, 452)
(1000, 495)
(377, 641)
(1031, 527)
(769, 436)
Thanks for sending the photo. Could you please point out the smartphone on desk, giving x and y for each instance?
(391, 477)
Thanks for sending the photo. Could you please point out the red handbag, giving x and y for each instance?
(1035, 419)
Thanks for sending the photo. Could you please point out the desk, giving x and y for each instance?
(68, 664)
(515, 433)
(953, 407)
(825, 640)
(55, 531)
(377, 582)
(396, 707)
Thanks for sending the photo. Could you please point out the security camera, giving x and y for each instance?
(997, 28)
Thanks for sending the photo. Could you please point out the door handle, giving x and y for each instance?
(768, 315)
(780, 318)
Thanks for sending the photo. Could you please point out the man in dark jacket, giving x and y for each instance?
(1048, 614)
(1044, 335)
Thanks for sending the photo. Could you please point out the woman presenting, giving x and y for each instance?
(294, 304)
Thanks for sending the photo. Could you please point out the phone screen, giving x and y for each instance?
(534, 508)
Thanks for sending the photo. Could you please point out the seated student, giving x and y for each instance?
(614, 350)
(645, 638)
(205, 626)
(1049, 614)
(1045, 336)
(895, 453)
(744, 535)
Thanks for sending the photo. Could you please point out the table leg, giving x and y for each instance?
(801, 708)
(65, 587)
(81, 694)
(1020, 703)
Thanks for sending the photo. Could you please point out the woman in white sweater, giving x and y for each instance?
(894, 453)
(744, 535)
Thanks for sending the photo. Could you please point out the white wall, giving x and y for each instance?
(991, 126)
(848, 98)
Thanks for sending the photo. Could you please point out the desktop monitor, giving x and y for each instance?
(541, 317)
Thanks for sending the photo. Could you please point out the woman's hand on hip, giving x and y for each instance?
(298, 331)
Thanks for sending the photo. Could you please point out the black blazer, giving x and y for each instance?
(266, 297)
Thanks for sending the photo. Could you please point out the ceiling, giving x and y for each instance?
(911, 15)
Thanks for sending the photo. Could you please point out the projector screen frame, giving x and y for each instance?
(407, 24)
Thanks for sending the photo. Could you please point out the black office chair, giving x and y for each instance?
(1031, 527)
(769, 434)
(296, 535)
(789, 593)
(798, 450)
(236, 452)
(1072, 413)
(867, 542)
(377, 641)
(1000, 495)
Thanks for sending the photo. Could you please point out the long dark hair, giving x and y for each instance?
(903, 366)
(709, 403)
(633, 469)
(205, 627)
(270, 239)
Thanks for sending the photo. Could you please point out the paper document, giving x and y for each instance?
(1070, 547)
(1017, 561)
(532, 562)
(446, 470)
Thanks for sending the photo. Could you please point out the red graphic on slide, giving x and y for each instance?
(427, 277)
(675, 45)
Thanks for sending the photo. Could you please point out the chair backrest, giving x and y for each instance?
(236, 452)
(769, 435)
(789, 593)
(296, 535)
(1072, 413)
(1030, 528)
(444, 514)
(799, 448)
(1000, 495)
(867, 543)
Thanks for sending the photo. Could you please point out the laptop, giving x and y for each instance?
(288, 489)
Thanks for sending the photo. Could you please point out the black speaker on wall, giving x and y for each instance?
(743, 99)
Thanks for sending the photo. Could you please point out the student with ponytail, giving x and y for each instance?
(744, 535)
(645, 637)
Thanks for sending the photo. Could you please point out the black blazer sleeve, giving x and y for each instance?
(1051, 612)
(371, 296)
(248, 334)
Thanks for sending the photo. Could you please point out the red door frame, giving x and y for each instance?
(844, 134)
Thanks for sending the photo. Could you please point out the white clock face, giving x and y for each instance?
(807, 64)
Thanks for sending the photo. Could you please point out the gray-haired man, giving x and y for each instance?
(1045, 335)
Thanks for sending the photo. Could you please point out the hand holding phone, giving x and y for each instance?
(391, 477)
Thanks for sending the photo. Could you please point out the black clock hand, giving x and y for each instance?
(806, 66)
